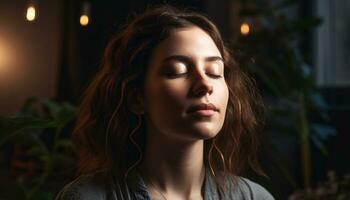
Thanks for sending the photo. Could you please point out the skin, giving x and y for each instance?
(184, 69)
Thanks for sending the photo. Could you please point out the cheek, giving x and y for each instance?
(165, 103)
(223, 94)
(226, 96)
(165, 97)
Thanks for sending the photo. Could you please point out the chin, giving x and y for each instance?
(194, 131)
(204, 132)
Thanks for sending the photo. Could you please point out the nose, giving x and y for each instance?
(202, 85)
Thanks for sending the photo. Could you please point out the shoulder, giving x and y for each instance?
(243, 188)
(91, 186)
(255, 190)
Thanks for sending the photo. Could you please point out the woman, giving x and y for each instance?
(168, 116)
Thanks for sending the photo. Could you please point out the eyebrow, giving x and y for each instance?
(187, 59)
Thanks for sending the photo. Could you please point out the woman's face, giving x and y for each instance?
(185, 93)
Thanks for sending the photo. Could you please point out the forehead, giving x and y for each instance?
(192, 42)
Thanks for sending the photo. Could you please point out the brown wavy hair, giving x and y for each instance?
(105, 122)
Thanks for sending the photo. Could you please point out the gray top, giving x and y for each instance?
(103, 185)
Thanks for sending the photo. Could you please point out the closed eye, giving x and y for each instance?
(215, 70)
(175, 69)
(178, 75)
(215, 76)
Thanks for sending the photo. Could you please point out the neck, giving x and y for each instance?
(174, 168)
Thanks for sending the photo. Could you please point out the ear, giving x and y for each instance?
(135, 102)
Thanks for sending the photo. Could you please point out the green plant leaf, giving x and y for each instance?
(65, 144)
(62, 161)
(16, 126)
(65, 114)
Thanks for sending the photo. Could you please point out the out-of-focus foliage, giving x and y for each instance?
(39, 150)
(334, 188)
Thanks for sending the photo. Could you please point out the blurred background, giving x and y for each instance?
(297, 50)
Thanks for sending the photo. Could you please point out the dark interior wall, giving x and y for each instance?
(29, 52)
(82, 46)
(338, 160)
(328, 50)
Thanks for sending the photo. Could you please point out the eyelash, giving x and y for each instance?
(215, 76)
(173, 76)
(183, 74)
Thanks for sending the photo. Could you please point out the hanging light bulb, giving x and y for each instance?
(245, 28)
(84, 20)
(31, 11)
(85, 14)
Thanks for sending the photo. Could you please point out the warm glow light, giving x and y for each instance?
(84, 20)
(30, 13)
(244, 29)
(5, 57)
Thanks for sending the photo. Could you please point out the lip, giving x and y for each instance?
(203, 109)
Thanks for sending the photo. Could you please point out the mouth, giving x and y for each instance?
(203, 109)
